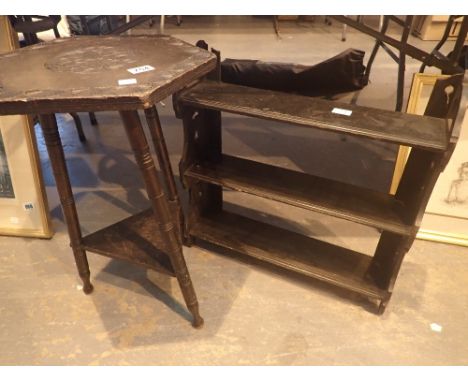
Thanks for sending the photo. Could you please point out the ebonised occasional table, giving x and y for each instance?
(91, 73)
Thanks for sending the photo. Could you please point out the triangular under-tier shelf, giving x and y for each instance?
(136, 239)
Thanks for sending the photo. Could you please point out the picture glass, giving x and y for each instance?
(6, 186)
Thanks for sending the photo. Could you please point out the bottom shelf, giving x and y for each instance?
(311, 257)
(136, 239)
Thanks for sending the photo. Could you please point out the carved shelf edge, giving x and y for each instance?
(424, 132)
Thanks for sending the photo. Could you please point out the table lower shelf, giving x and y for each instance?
(136, 239)
(311, 257)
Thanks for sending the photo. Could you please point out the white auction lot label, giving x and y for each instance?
(337, 110)
(140, 69)
(128, 81)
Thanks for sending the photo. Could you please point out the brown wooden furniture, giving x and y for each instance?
(61, 76)
(206, 171)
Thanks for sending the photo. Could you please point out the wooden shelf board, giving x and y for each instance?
(327, 196)
(136, 239)
(395, 127)
(314, 258)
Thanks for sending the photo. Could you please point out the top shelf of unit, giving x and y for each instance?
(400, 128)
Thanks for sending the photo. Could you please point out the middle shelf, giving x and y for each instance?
(360, 205)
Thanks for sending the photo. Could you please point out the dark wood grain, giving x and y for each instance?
(157, 136)
(137, 239)
(388, 258)
(314, 258)
(399, 128)
(82, 73)
(397, 217)
(334, 198)
(167, 226)
(202, 141)
(67, 201)
(415, 188)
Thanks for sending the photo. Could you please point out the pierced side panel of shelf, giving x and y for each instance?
(286, 249)
(136, 239)
(400, 128)
(327, 196)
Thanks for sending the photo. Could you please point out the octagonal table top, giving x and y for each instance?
(91, 73)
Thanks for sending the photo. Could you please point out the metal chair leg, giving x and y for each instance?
(92, 118)
(376, 47)
(79, 127)
(402, 64)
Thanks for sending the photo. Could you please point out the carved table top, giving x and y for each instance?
(90, 73)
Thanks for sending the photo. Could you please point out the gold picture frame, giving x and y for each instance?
(420, 92)
(24, 209)
(446, 216)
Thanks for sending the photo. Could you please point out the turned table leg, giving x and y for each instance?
(154, 124)
(155, 129)
(160, 207)
(59, 168)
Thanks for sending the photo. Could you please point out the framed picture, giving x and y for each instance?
(23, 203)
(446, 217)
(421, 90)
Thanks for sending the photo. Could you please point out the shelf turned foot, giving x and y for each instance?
(382, 306)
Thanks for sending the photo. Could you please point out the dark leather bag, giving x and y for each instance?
(341, 73)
